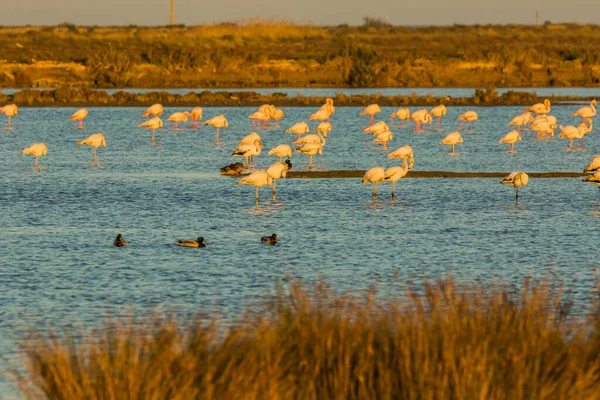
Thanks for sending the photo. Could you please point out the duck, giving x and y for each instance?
(232, 169)
(272, 240)
(200, 242)
(119, 241)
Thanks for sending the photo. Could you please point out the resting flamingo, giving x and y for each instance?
(543, 125)
(586, 112)
(384, 137)
(570, 132)
(404, 152)
(310, 149)
(374, 176)
(377, 128)
(298, 129)
(540, 108)
(276, 115)
(257, 179)
(394, 174)
(177, 118)
(402, 114)
(520, 120)
(37, 150)
(248, 150)
(153, 124)
(217, 122)
(439, 112)
(311, 139)
(467, 117)
(323, 114)
(262, 114)
(594, 178)
(195, 116)
(96, 140)
(155, 110)
(282, 150)
(420, 117)
(10, 110)
(511, 137)
(329, 108)
(516, 179)
(452, 139)
(371, 110)
(79, 115)
(323, 128)
(276, 171)
(594, 165)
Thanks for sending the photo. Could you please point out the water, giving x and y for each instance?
(58, 266)
(330, 92)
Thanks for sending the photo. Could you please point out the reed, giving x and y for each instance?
(437, 341)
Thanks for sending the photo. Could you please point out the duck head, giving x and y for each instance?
(201, 240)
(288, 164)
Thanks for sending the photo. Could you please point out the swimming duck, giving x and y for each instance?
(200, 242)
(269, 239)
(119, 241)
(232, 169)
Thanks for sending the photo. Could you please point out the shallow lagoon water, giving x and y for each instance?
(57, 264)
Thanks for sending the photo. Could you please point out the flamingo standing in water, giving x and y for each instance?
(540, 108)
(402, 114)
(38, 150)
(594, 165)
(311, 139)
(323, 114)
(276, 115)
(96, 140)
(276, 171)
(405, 152)
(516, 179)
(298, 129)
(586, 112)
(384, 137)
(248, 150)
(152, 123)
(467, 117)
(394, 174)
(195, 115)
(511, 137)
(543, 125)
(520, 120)
(218, 122)
(155, 110)
(374, 176)
(377, 128)
(570, 132)
(177, 118)
(257, 179)
(420, 117)
(452, 139)
(282, 150)
(79, 115)
(10, 110)
(310, 149)
(323, 128)
(438, 112)
(262, 114)
(329, 108)
(371, 110)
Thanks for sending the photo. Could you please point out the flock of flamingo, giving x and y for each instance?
(312, 144)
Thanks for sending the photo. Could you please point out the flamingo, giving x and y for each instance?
(311, 139)
(594, 178)
(276, 171)
(218, 122)
(585, 129)
(384, 137)
(262, 114)
(257, 179)
(323, 114)
(540, 108)
(438, 112)
(155, 110)
(402, 114)
(310, 149)
(468, 117)
(323, 128)
(328, 108)
(248, 150)
(79, 115)
(522, 119)
(594, 165)
(452, 139)
(38, 150)
(96, 140)
(570, 132)
(276, 115)
(10, 110)
(195, 115)
(404, 152)
(298, 129)
(152, 123)
(282, 150)
(374, 176)
(586, 112)
(377, 128)
(420, 117)
(394, 174)
(516, 179)
(250, 139)
(177, 118)
(543, 125)
(511, 137)
(371, 110)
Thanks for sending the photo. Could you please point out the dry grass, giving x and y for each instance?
(442, 342)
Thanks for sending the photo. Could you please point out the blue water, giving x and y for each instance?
(57, 264)
(330, 92)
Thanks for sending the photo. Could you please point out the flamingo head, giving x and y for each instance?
(594, 103)
(547, 103)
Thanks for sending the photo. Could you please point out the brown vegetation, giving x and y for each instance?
(441, 341)
(257, 53)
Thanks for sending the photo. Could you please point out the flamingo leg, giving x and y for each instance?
(371, 120)
(570, 143)
(385, 145)
(439, 122)
(257, 197)
(217, 142)
(517, 196)
(452, 149)
(310, 161)
(393, 190)
(175, 124)
(512, 147)
(247, 163)
(460, 126)
(391, 120)
(152, 141)
(273, 188)
(469, 125)
(95, 148)
(36, 161)
(9, 122)
(80, 123)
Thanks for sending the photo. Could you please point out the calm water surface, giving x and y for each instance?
(57, 263)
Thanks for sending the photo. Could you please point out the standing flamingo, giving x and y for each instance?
(248, 150)
(10, 110)
(586, 112)
(38, 150)
(540, 108)
(374, 176)
(329, 108)
(321, 115)
(177, 118)
(511, 137)
(195, 116)
(298, 129)
(276, 115)
(155, 110)
(452, 139)
(570, 132)
(310, 149)
(384, 137)
(262, 114)
(543, 125)
(420, 117)
(96, 140)
(257, 179)
(438, 112)
(323, 128)
(282, 150)
(468, 117)
(371, 110)
(311, 139)
(402, 114)
(152, 123)
(218, 122)
(79, 115)
(404, 152)
(276, 171)
(377, 128)
(394, 174)
(521, 119)
(516, 179)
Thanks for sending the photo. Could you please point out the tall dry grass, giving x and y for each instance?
(443, 341)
